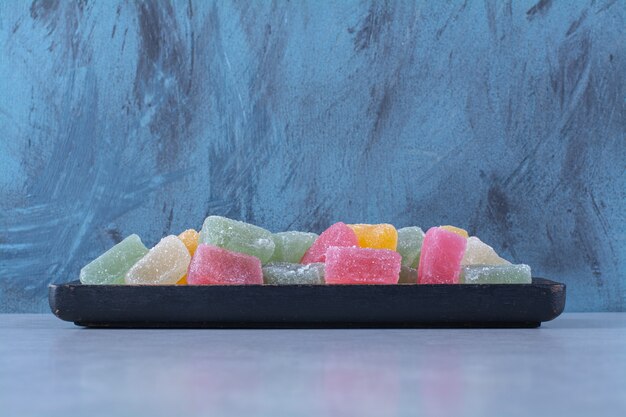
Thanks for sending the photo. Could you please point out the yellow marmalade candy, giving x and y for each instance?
(190, 239)
(457, 230)
(376, 236)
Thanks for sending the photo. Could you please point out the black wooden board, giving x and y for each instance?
(309, 306)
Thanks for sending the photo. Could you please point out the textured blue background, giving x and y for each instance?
(507, 118)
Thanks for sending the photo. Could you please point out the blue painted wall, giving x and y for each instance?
(505, 117)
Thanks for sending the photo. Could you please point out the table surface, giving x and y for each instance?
(575, 365)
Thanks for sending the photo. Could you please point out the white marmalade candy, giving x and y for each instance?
(496, 274)
(164, 264)
(479, 253)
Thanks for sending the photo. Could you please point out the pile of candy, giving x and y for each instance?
(230, 252)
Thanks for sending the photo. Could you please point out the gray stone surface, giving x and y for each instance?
(573, 366)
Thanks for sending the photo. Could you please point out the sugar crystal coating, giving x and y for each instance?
(410, 245)
(284, 273)
(479, 253)
(351, 265)
(339, 234)
(237, 236)
(440, 260)
(166, 263)
(496, 274)
(291, 246)
(111, 267)
(212, 265)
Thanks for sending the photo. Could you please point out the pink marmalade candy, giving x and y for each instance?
(211, 265)
(339, 234)
(349, 265)
(440, 261)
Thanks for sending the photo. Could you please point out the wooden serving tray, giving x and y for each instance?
(308, 306)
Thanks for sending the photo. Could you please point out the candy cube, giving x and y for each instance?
(350, 265)
(457, 230)
(284, 273)
(376, 236)
(291, 246)
(440, 260)
(408, 275)
(479, 253)
(190, 238)
(410, 245)
(166, 263)
(237, 236)
(110, 267)
(339, 234)
(212, 265)
(496, 274)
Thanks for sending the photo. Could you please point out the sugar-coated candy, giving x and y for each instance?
(165, 263)
(285, 273)
(440, 260)
(339, 234)
(408, 275)
(479, 253)
(190, 238)
(237, 236)
(212, 265)
(111, 267)
(496, 274)
(231, 252)
(457, 230)
(291, 246)
(376, 236)
(410, 245)
(352, 265)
